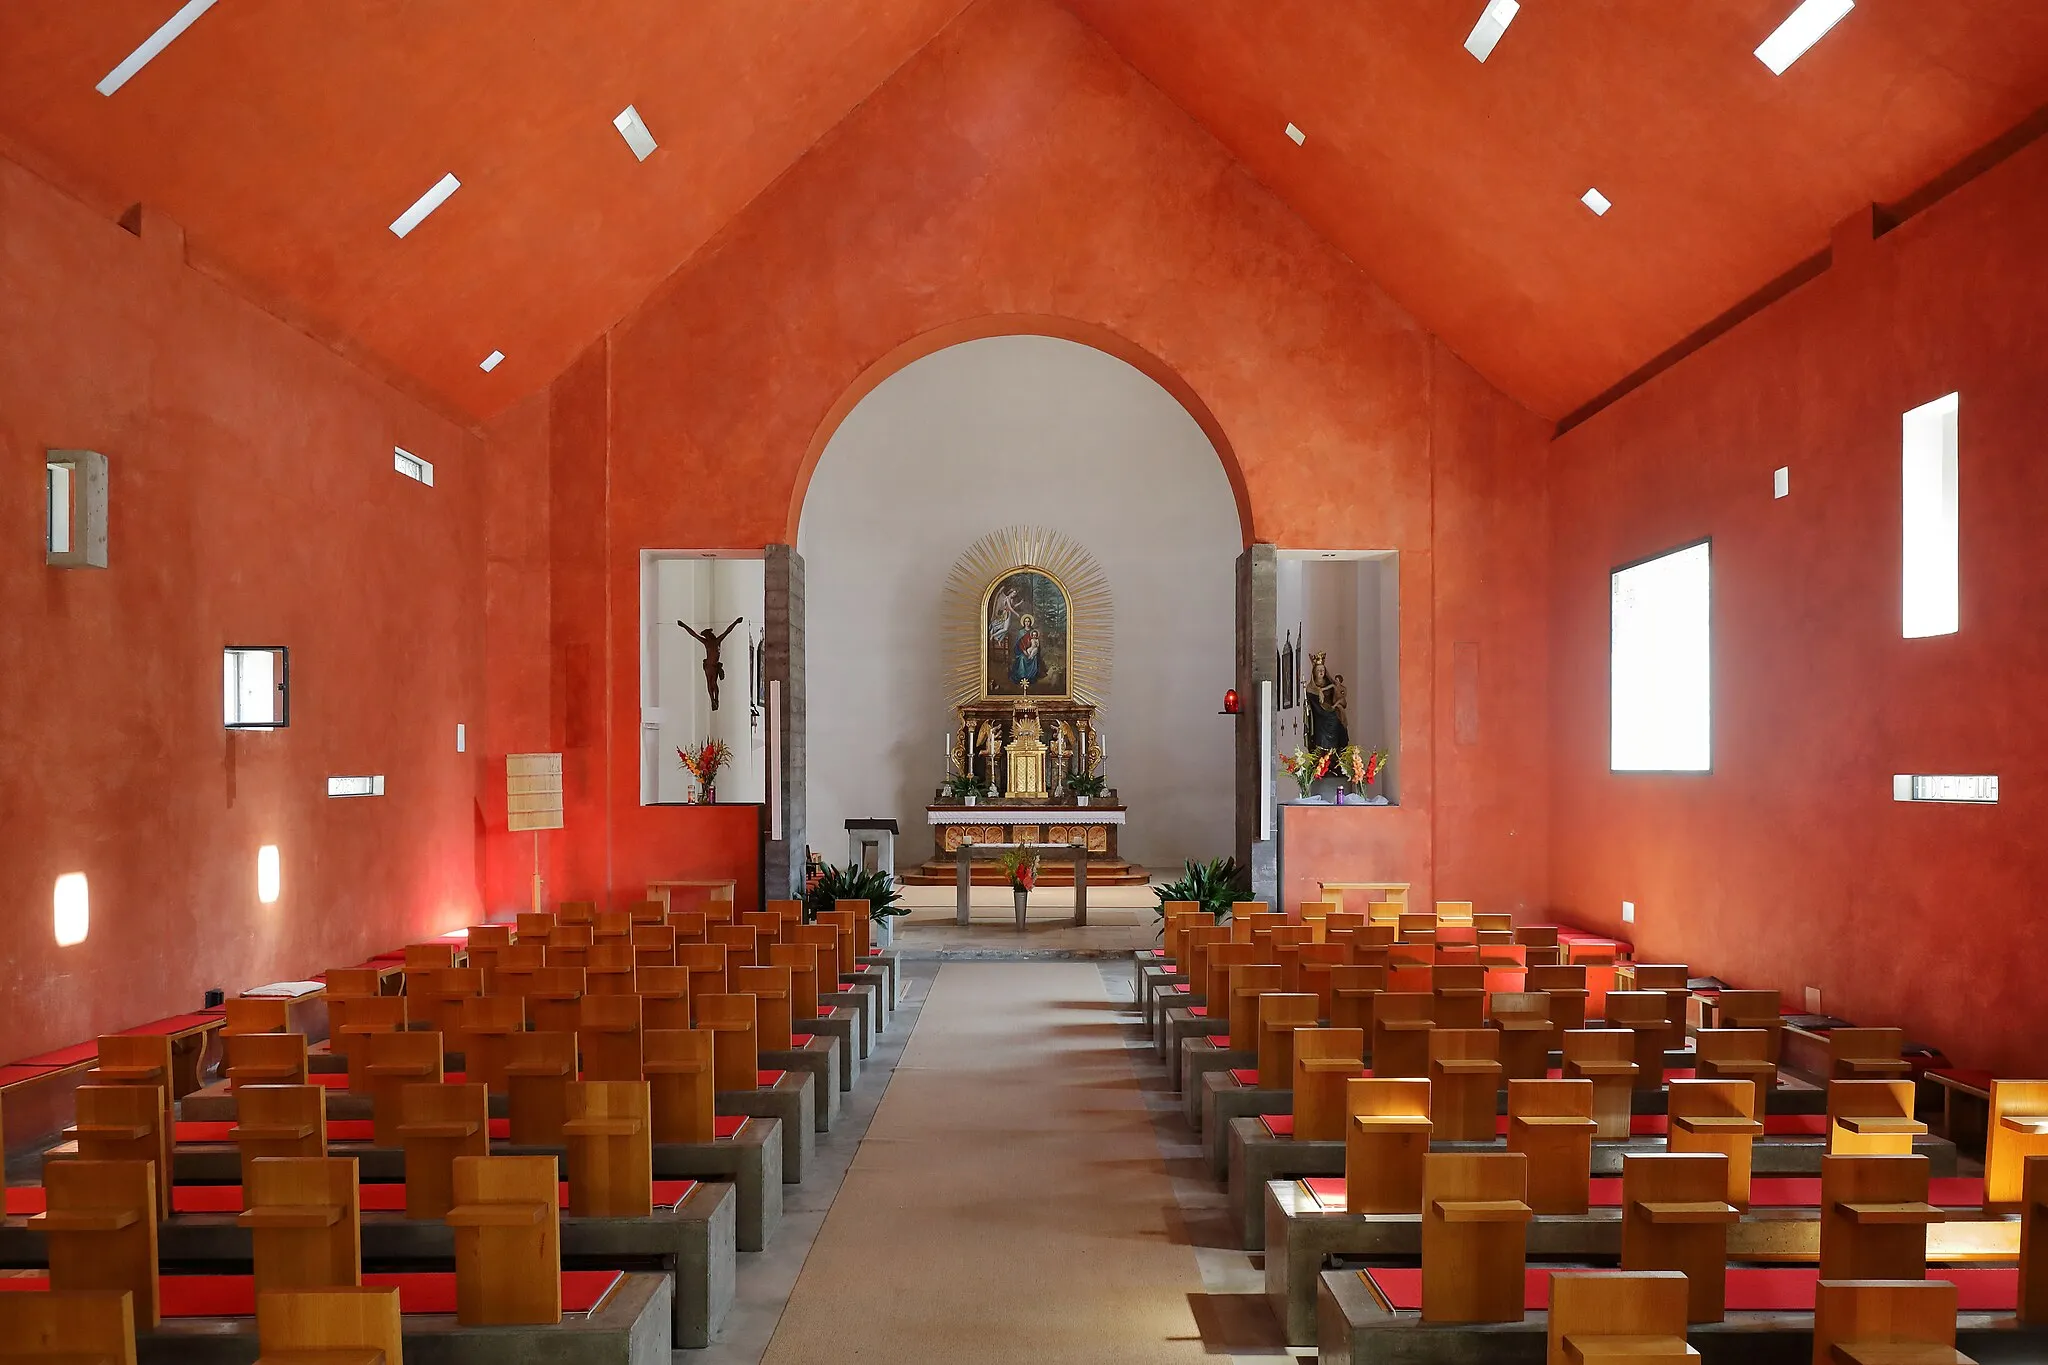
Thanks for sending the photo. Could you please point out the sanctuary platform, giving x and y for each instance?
(1027, 822)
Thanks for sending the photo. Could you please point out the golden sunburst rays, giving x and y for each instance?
(1090, 613)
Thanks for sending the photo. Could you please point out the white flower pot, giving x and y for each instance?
(1080, 800)
(969, 800)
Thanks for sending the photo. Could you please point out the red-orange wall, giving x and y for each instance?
(1791, 865)
(253, 502)
(1018, 166)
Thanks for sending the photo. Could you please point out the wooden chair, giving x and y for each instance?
(345, 986)
(1752, 1010)
(611, 1152)
(848, 922)
(1464, 1083)
(1646, 1015)
(1475, 1218)
(1872, 1118)
(691, 926)
(265, 1059)
(705, 963)
(608, 1037)
(1401, 1025)
(576, 912)
(508, 1241)
(1416, 926)
(1386, 1137)
(99, 1232)
(126, 1123)
(421, 958)
(1325, 1060)
(1618, 1316)
(1736, 1054)
(367, 1017)
(1315, 914)
(254, 1016)
(742, 944)
(664, 997)
(1551, 1123)
(1606, 1057)
(304, 1216)
(1412, 953)
(1460, 996)
(1716, 1116)
(645, 912)
(1674, 1218)
(682, 1101)
(1526, 1033)
(1488, 921)
(858, 918)
(1314, 961)
(80, 1328)
(1248, 982)
(488, 1023)
(1200, 940)
(1353, 988)
(1873, 1217)
(2033, 1211)
(538, 1069)
(735, 1051)
(1541, 941)
(552, 998)
(612, 926)
(767, 927)
(440, 1123)
(824, 939)
(1216, 993)
(1385, 911)
(138, 1059)
(1566, 987)
(394, 1061)
(1867, 1054)
(352, 1326)
(802, 961)
(654, 945)
(1880, 1322)
(773, 1015)
(2015, 1132)
(278, 1121)
(512, 969)
(611, 970)
(569, 945)
(532, 926)
(1279, 1016)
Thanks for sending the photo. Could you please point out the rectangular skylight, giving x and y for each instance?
(1295, 135)
(1931, 540)
(1493, 21)
(152, 45)
(1597, 202)
(1802, 28)
(491, 361)
(425, 204)
(634, 129)
(1660, 681)
(412, 466)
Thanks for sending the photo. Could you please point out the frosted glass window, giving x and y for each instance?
(1661, 664)
(1932, 544)
(255, 687)
(73, 909)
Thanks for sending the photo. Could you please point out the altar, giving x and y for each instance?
(1028, 634)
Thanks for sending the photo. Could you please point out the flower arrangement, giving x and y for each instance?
(1021, 866)
(703, 763)
(1308, 767)
(1361, 765)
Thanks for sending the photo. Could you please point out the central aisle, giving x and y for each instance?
(1009, 1202)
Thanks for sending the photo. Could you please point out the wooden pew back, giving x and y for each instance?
(1606, 1057)
(608, 1037)
(682, 1100)
(1551, 1123)
(1353, 988)
(551, 998)
(1460, 995)
(439, 1124)
(802, 961)
(538, 1069)
(1716, 1116)
(733, 1023)
(99, 1226)
(1526, 1033)
(488, 1023)
(1873, 1217)
(266, 1059)
(279, 1121)
(1464, 1083)
(1249, 981)
(1216, 988)
(1386, 1136)
(394, 1061)
(126, 1123)
(1475, 1217)
(337, 1325)
(1674, 1218)
(2015, 1133)
(611, 1152)
(664, 997)
(1325, 1061)
(1852, 1315)
(254, 1016)
(62, 1329)
(773, 1014)
(1871, 1118)
(1589, 1308)
(1401, 1024)
(304, 1216)
(1280, 1015)
(508, 1241)
(1867, 1054)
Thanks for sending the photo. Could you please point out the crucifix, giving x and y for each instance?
(714, 667)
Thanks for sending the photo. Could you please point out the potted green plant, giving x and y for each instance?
(963, 787)
(1216, 886)
(826, 885)
(1020, 865)
(1085, 787)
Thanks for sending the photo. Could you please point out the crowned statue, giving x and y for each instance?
(1324, 698)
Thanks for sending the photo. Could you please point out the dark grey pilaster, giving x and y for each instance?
(782, 650)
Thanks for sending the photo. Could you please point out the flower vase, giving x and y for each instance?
(1081, 800)
(1021, 897)
(707, 795)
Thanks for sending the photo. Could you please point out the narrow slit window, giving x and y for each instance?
(1932, 541)
(366, 785)
(256, 687)
(412, 466)
(1661, 664)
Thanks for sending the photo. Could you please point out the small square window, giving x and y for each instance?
(75, 509)
(256, 687)
(412, 466)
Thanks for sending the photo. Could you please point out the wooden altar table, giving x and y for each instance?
(967, 853)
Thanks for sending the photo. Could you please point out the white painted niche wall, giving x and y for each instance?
(1346, 603)
(1020, 430)
(675, 703)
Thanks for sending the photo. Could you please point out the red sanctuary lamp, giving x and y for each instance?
(1230, 703)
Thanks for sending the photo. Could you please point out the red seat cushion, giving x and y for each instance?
(338, 1130)
(1777, 1192)
(1773, 1289)
(1245, 1075)
(1279, 1125)
(768, 1080)
(1198, 1011)
(63, 1056)
(800, 1039)
(177, 1023)
(19, 1073)
(234, 1296)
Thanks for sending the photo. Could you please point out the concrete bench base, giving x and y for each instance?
(790, 1102)
(1354, 1329)
(631, 1327)
(1182, 1027)
(819, 1059)
(1199, 1059)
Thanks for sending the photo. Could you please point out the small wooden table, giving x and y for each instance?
(967, 853)
(716, 888)
(1389, 891)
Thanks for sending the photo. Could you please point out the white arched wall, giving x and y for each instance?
(1012, 430)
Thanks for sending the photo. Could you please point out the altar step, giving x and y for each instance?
(1051, 872)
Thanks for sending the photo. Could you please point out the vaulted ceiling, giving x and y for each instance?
(286, 136)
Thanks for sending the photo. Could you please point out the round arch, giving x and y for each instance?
(1088, 334)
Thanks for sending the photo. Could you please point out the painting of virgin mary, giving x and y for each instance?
(1026, 636)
